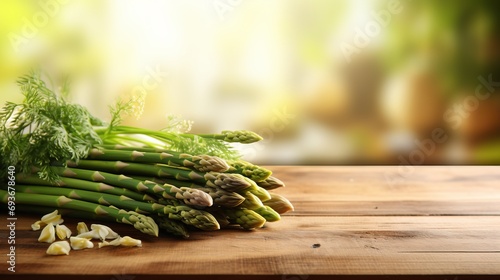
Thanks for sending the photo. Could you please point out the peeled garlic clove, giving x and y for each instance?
(129, 241)
(59, 248)
(122, 241)
(80, 243)
(89, 235)
(48, 234)
(104, 232)
(114, 242)
(36, 226)
(63, 232)
(81, 228)
(50, 215)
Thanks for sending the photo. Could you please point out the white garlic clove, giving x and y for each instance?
(59, 248)
(114, 242)
(36, 226)
(81, 228)
(104, 232)
(122, 241)
(129, 241)
(50, 215)
(80, 243)
(89, 235)
(48, 234)
(63, 232)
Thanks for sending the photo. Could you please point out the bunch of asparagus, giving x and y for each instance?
(150, 188)
(67, 159)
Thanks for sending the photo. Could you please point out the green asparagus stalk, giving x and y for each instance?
(122, 202)
(197, 218)
(260, 192)
(246, 218)
(252, 202)
(245, 168)
(172, 227)
(279, 203)
(227, 181)
(220, 196)
(64, 182)
(236, 136)
(131, 148)
(210, 144)
(64, 212)
(203, 163)
(190, 196)
(271, 183)
(142, 223)
(219, 215)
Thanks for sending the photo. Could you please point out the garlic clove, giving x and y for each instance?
(80, 243)
(59, 248)
(36, 226)
(63, 232)
(122, 241)
(81, 228)
(104, 232)
(130, 242)
(89, 235)
(52, 217)
(114, 242)
(48, 234)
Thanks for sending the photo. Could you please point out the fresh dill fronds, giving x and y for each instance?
(43, 129)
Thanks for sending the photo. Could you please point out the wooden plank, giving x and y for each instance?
(395, 208)
(344, 245)
(368, 183)
(348, 221)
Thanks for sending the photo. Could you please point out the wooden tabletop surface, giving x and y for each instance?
(348, 220)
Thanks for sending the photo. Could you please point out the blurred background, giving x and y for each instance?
(324, 82)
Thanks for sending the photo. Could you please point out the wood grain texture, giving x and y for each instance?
(365, 220)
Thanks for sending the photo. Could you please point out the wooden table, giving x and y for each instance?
(353, 222)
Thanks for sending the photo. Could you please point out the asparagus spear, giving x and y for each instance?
(171, 226)
(121, 201)
(246, 218)
(203, 163)
(143, 223)
(245, 168)
(197, 218)
(227, 181)
(191, 197)
(252, 202)
(220, 196)
(211, 144)
(236, 136)
(279, 203)
(271, 183)
(30, 179)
